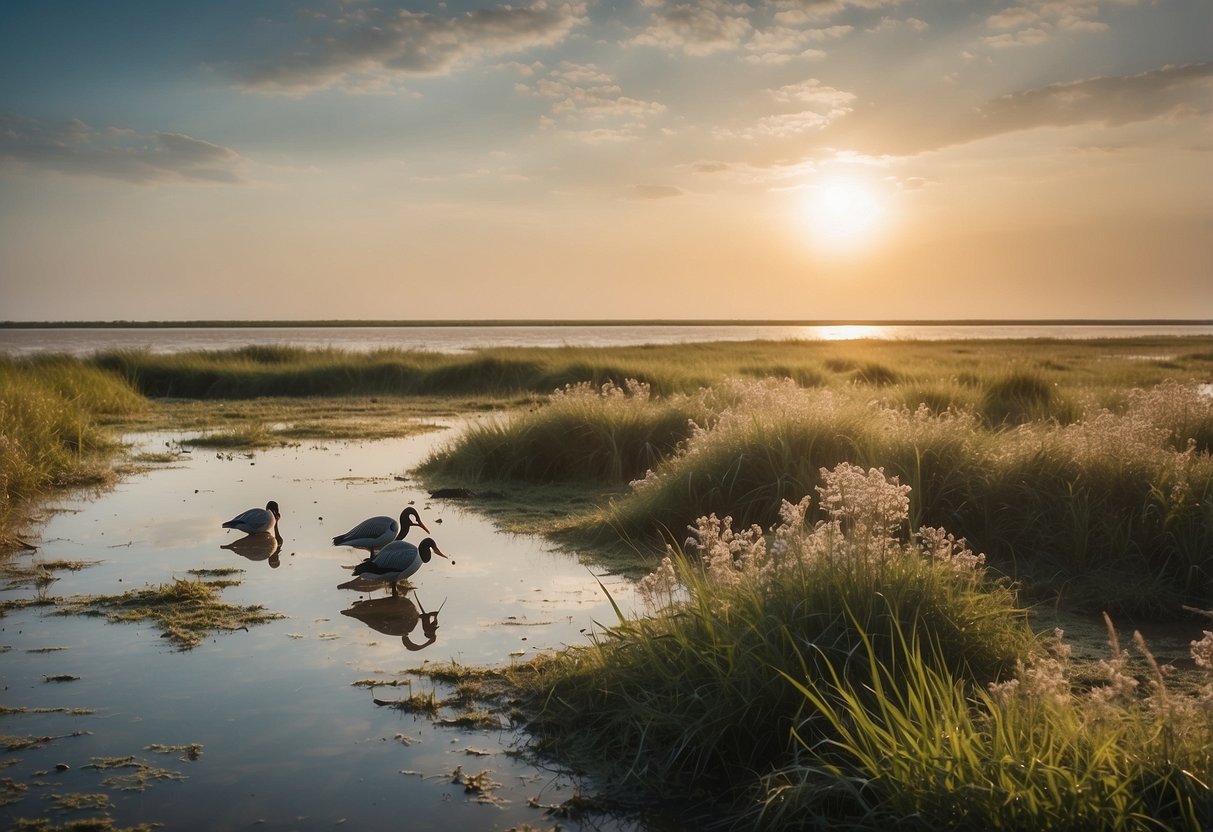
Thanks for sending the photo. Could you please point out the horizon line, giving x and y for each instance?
(574, 322)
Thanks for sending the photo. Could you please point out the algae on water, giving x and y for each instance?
(185, 611)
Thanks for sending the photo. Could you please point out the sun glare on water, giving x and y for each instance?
(843, 215)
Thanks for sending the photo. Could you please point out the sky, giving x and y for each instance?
(573, 159)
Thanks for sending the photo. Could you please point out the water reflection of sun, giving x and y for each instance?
(844, 332)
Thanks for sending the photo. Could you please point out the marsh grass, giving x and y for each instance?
(845, 675)
(40, 573)
(1001, 440)
(253, 424)
(414, 703)
(1110, 510)
(1024, 396)
(48, 434)
(1104, 365)
(605, 434)
(694, 697)
(1027, 754)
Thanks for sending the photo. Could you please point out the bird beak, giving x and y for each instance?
(440, 553)
(427, 530)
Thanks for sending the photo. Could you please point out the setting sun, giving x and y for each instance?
(843, 214)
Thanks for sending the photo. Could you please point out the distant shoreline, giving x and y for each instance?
(601, 323)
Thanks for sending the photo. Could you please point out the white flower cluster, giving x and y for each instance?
(659, 587)
(1175, 407)
(1202, 651)
(630, 389)
(866, 512)
(1049, 678)
(1045, 679)
(867, 506)
(724, 553)
(946, 547)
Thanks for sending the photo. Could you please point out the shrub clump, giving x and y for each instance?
(695, 696)
(1022, 397)
(607, 434)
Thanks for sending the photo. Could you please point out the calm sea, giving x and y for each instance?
(455, 339)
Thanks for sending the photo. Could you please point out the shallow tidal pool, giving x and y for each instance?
(265, 728)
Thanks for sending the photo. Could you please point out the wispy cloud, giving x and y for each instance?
(818, 105)
(588, 102)
(76, 149)
(1103, 101)
(368, 45)
(766, 31)
(650, 192)
(778, 44)
(699, 28)
(796, 12)
(1033, 22)
(1109, 100)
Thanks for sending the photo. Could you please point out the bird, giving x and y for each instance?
(398, 560)
(256, 519)
(376, 532)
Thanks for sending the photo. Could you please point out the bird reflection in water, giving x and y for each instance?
(396, 615)
(259, 546)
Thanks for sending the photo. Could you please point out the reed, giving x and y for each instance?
(1031, 753)
(49, 436)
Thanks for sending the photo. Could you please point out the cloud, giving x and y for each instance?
(781, 44)
(1024, 37)
(76, 149)
(1107, 101)
(770, 31)
(797, 12)
(699, 28)
(583, 94)
(819, 105)
(370, 44)
(1032, 22)
(832, 102)
(647, 192)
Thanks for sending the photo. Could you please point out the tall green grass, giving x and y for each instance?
(604, 434)
(1020, 397)
(916, 742)
(48, 431)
